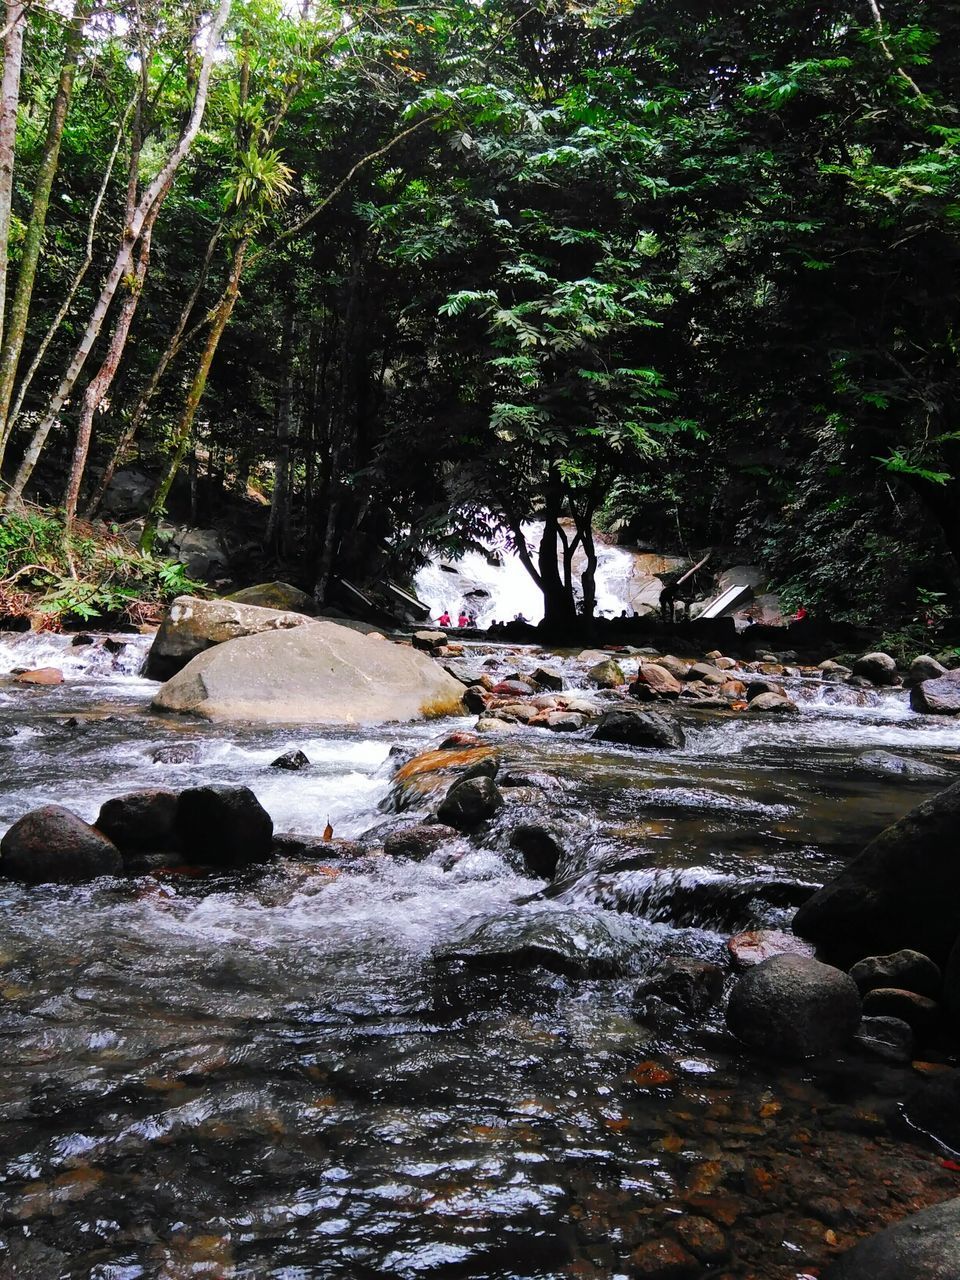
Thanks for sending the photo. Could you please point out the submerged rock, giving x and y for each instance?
(224, 826)
(469, 803)
(417, 842)
(683, 983)
(756, 945)
(51, 845)
(141, 822)
(573, 942)
(794, 1007)
(639, 729)
(41, 676)
(924, 1246)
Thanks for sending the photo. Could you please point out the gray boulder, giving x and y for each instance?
(224, 826)
(937, 697)
(639, 729)
(903, 891)
(192, 626)
(320, 673)
(925, 1246)
(275, 595)
(203, 553)
(925, 667)
(773, 702)
(878, 668)
(794, 1007)
(908, 970)
(51, 845)
(469, 803)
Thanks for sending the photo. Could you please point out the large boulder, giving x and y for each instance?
(224, 826)
(639, 729)
(925, 667)
(142, 821)
(51, 845)
(924, 1246)
(903, 891)
(192, 626)
(794, 1007)
(940, 697)
(202, 552)
(315, 674)
(275, 595)
(878, 668)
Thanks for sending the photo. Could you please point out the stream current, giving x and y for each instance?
(268, 1075)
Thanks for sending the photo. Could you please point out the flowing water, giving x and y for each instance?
(270, 1074)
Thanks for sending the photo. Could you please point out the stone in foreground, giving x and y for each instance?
(142, 821)
(224, 826)
(925, 1246)
(314, 674)
(794, 1007)
(51, 845)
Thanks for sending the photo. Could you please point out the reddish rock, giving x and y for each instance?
(658, 679)
(663, 1260)
(42, 675)
(703, 1238)
(51, 845)
(757, 945)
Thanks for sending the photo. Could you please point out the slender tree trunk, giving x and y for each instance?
(16, 24)
(150, 202)
(181, 439)
(15, 330)
(280, 499)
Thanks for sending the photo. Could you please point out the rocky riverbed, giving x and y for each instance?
(350, 1062)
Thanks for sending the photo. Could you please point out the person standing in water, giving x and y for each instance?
(444, 619)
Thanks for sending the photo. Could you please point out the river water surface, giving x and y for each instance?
(270, 1075)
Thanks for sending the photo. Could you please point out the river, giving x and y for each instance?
(268, 1075)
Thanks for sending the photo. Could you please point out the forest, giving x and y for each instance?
(683, 273)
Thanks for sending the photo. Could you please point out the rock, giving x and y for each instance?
(192, 626)
(223, 826)
(639, 729)
(682, 982)
(291, 844)
(492, 724)
(529, 778)
(924, 1246)
(178, 753)
(41, 676)
(772, 702)
(276, 595)
(513, 688)
(735, 689)
(431, 773)
(908, 970)
(429, 640)
(724, 664)
(291, 760)
(934, 1108)
(606, 674)
(417, 842)
(539, 847)
(663, 1259)
(833, 671)
(878, 668)
(677, 667)
(141, 822)
(903, 766)
(51, 845)
(475, 699)
(757, 945)
(756, 688)
(574, 942)
(936, 697)
(707, 673)
(564, 721)
(656, 679)
(318, 673)
(202, 553)
(469, 803)
(521, 711)
(925, 667)
(890, 1002)
(889, 1039)
(548, 678)
(702, 1237)
(951, 982)
(903, 891)
(128, 493)
(794, 1007)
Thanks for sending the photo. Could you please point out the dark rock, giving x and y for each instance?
(539, 847)
(276, 595)
(51, 845)
(684, 983)
(290, 760)
(548, 678)
(934, 1108)
(180, 753)
(429, 640)
(470, 802)
(290, 844)
(756, 945)
(794, 1007)
(890, 1002)
(889, 1039)
(475, 699)
(908, 970)
(224, 826)
(772, 702)
(903, 891)
(924, 1246)
(82, 640)
(951, 982)
(936, 697)
(878, 668)
(639, 729)
(572, 942)
(142, 821)
(702, 1237)
(417, 842)
(529, 778)
(663, 1260)
(757, 687)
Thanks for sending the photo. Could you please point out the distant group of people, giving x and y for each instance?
(465, 619)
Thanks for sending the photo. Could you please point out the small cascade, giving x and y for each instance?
(85, 657)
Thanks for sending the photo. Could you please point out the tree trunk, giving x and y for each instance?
(185, 426)
(16, 22)
(278, 523)
(15, 330)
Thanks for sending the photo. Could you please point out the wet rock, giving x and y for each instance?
(607, 674)
(702, 1238)
(908, 970)
(548, 678)
(469, 803)
(428, 641)
(291, 760)
(539, 848)
(41, 676)
(522, 712)
(178, 753)
(51, 845)
(224, 826)
(663, 1259)
(656, 680)
(513, 688)
(757, 687)
(684, 983)
(431, 773)
(934, 1108)
(733, 689)
(903, 891)
(707, 673)
(564, 721)
(925, 667)
(292, 844)
(141, 821)
(417, 842)
(772, 702)
(276, 595)
(924, 1246)
(937, 697)
(878, 668)
(529, 778)
(889, 1039)
(475, 699)
(793, 1007)
(902, 766)
(890, 1002)
(639, 729)
(756, 945)
(572, 942)
(493, 724)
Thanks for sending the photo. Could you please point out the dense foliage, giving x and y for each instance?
(682, 270)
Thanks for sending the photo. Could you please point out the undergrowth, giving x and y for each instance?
(53, 579)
